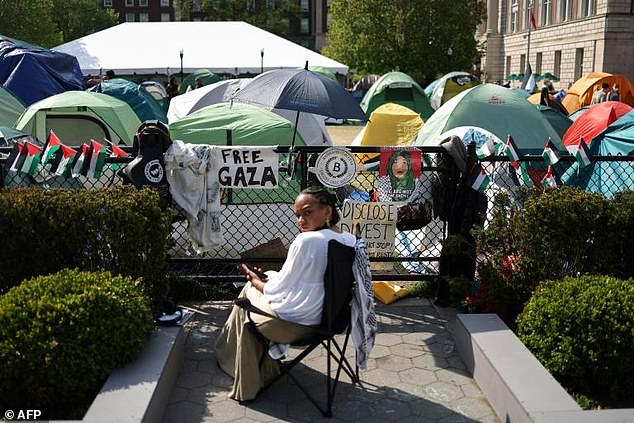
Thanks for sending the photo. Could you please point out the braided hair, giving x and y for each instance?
(325, 197)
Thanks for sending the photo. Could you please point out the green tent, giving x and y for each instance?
(141, 101)
(558, 121)
(399, 88)
(249, 125)
(496, 109)
(322, 70)
(206, 77)
(10, 108)
(76, 117)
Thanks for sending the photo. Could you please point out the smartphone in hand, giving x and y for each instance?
(263, 276)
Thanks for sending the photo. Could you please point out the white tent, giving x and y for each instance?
(221, 47)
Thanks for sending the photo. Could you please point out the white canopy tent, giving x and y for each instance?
(222, 47)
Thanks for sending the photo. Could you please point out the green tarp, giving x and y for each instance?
(206, 77)
(399, 88)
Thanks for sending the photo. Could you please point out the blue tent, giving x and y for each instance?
(607, 178)
(137, 97)
(33, 73)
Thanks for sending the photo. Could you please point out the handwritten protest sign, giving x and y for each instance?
(248, 167)
(376, 224)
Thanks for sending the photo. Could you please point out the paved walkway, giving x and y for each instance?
(414, 375)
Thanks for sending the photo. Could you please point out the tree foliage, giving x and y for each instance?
(52, 22)
(412, 36)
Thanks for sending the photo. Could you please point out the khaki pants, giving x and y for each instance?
(238, 351)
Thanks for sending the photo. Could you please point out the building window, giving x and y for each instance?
(250, 5)
(143, 3)
(196, 6)
(545, 9)
(508, 65)
(107, 3)
(304, 5)
(129, 17)
(165, 3)
(165, 17)
(304, 26)
(587, 7)
(557, 65)
(514, 20)
(143, 17)
(578, 63)
(129, 3)
(538, 63)
(564, 13)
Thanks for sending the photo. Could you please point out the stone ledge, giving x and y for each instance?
(514, 382)
(140, 391)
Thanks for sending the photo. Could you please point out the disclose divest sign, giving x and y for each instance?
(248, 167)
(374, 222)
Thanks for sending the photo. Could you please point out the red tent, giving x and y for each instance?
(595, 120)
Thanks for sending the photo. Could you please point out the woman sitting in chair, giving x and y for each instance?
(295, 294)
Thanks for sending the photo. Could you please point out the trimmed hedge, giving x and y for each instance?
(582, 331)
(119, 229)
(63, 334)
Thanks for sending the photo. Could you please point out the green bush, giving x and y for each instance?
(623, 203)
(119, 229)
(63, 334)
(582, 331)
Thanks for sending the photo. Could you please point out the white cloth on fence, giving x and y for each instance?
(363, 318)
(192, 173)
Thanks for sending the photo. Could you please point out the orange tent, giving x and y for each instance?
(580, 94)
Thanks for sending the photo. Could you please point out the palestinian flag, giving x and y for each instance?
(550, 154)
(479, 180)
(115, 152)
(53, 144)
(583, 154)
(521, 172)
(96, 160)
(550, 179)
(78, 162)
(511, 150)
(31, 163)
(17, 156)
(63, 165)
(487, 149)
(298, 171)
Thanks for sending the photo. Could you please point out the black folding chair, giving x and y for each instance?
(338, 286)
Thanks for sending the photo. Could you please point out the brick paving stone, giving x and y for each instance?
(194, 379)
(388, 339)
(394, 363)
(380, 377)
(443, 391)
(417, 376)
(474, 408)
(455, 376)
(407, 350)
(430, 362)
(471, 390)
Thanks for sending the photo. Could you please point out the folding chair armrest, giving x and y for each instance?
(245, 304)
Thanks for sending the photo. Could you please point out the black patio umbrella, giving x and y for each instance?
(303, 91)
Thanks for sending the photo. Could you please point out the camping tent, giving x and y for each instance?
(496, 109)
(399, 88)
(143, 104)
(390, 124)
(158, 93)
(222, 47)
(311, 127)
(595, 120)
(607, 177)
(580, 94)
(32, 73)
(78, 116)
(249, 125)
(450, 85)
(205, 75)
(559, 122)
(10, 108)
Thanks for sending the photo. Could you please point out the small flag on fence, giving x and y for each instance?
(51, 147)
(63, 164)
(521, 171)
(478, 179)
(550, 179)
(550, 154)
(31, 163)
(583, 154)
(97, 160)
(511, 150)
(17, 156)
(78, 162)
(115, 151)
(487, 149)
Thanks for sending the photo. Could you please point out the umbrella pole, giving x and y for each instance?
(291, 163)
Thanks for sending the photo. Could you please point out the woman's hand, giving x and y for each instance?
(252, 276)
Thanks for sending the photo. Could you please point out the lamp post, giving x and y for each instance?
(262, 61)
(181, 55)
(449, 54)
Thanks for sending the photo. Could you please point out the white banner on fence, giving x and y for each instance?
(376, 225)
(248, 167)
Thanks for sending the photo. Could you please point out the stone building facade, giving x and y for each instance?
(571, 39)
